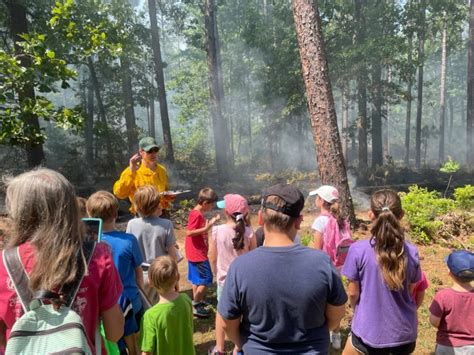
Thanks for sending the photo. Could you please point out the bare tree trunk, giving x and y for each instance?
(127, 94)
(421, 59)
(377, 146)
(470, 89)
(18, 26)
(160, 82)
(321, 102)
(249, 114)
(386, 130)
(152, 118)
(409, 100)
(89, 124)
(221, 134)
(442, 91)
(361, 90)
(345, 118)
(451, 118)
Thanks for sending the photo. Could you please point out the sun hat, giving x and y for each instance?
(148, 143)
(234, 203)
(461, 263)
(294, 199)
(327, 192)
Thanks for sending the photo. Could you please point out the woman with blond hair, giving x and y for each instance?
(47, 229)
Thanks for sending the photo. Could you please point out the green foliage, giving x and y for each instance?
(421, 208)
(465, 196)
(450, 166)
(306, 238)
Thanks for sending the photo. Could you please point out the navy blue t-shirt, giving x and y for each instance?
(281, 294)
(127, 257)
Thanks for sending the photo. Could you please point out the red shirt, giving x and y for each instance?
(99, 290)
(456, 310)
(196, 247)
(420, 286)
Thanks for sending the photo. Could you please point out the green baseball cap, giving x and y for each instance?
(148, 143)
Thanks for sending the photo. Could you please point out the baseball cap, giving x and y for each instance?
(294, 199)
(234, 203)
(148, 143)
(461, 263)
(327, 192)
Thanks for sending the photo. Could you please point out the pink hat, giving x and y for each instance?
(234, 203)
(327, 193)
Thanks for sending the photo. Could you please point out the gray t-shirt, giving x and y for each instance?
(281, 294)
(155, 235)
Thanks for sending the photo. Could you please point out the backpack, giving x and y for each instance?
(336, 243)
(44, 328)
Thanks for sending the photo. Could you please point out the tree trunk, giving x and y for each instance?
(152, 118)
(386, 130)
(442, 91)
(470, 89)
(361, 89)
(160, 82)
(221, 134)
(321, 102)
(89, 124)
(345, 118)
(451, 118)
(127, 93)
(249, 113)
(102, 115)
(377, 146)
(18, 26)
(421, 59)
(409, 100)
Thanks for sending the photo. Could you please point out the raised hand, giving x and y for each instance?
(135, 162)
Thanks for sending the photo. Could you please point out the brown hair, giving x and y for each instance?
(102, 204)
(5, 231)
(274, 220)
(335, 210)
(388, 237)
(147, 200)
(163, 273)
(239, 239)
(81, 205)
(206, 195)
(43, 210)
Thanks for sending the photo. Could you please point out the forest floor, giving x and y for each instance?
(432, 262)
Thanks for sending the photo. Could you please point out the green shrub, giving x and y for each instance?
(306, 238)
(421, 208)
(465, 196)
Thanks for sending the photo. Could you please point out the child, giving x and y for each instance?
(127, 259)
(382, 273)
(419, 290)
(81, 204)
(167, 326)
(196, 248)
(228, 241)
(452, 309)
(155, 234)
(330, 227)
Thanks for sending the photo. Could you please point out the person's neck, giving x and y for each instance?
(462, 287)
(108, 226)
(168, 296)
(150, 164)
(279, 239)
(199, 208)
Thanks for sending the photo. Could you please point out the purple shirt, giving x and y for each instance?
(382, 318)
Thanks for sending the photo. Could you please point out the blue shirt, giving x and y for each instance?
(127, 257)
(281, 294)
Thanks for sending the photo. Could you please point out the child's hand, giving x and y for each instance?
(214, 219)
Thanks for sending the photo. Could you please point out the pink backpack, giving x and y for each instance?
(336, 243)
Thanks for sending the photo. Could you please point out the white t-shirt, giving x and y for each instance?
(320, 223)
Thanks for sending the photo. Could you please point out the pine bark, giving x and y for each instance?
(442, 92)
(160, 82)
(127, 93)
(421, 59)
(377, 143)
(470, 89)
(19, 25)
(345, 119)
(409, 100)
(321, 107)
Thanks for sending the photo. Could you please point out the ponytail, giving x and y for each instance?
(238, 240)
(335, 210)
(388, 237)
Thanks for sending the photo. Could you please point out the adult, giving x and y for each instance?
(143, 169)
(282, 297)
(46, 228)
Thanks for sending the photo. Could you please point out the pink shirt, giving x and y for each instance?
(99, 290)
(456, 310)
(222, 235)
(420, 286)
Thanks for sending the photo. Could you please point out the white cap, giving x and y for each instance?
(326, 192)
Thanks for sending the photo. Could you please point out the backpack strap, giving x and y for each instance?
(17, 273)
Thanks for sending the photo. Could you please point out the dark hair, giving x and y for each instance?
(206, 195)
(239, 240)
(335, 210)
(389, 237)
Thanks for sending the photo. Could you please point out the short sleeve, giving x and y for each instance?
(350, 269)
(228, 305)
(148, 334)
(415, 272)
(136, 252)
(423, 284)
(319, 224)
(110, 284)
(195, 220)
(170, 238)
(337, 295)
(436, 307)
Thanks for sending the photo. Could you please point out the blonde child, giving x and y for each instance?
(228, 241)
(452, 309)
(167, 326)
(332, 234)
(382, 273)
(196, 248)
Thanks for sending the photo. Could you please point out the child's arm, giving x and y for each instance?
(213, 255)
(172, 252)
(353, 290)
(205, 229)
(253, 242)
(420, 296)
(435, 321)
(113, 323)
(334, 315)
(139, 277)
(317, 240)
(231, 328)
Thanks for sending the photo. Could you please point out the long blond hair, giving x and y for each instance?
(43, 209)
(388, 237)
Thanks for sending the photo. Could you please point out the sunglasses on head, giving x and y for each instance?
(153, 150)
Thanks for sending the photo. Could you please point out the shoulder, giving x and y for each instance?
(160, 168)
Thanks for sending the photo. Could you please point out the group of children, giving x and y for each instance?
(383, 273)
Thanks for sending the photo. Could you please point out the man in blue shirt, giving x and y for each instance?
(281, 297)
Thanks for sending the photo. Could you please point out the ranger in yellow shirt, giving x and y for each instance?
(143, 170)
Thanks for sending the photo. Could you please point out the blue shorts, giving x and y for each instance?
(199, 273)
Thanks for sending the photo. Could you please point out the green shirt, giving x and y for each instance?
(168, 328)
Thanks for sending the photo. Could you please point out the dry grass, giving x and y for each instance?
(432, 261)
